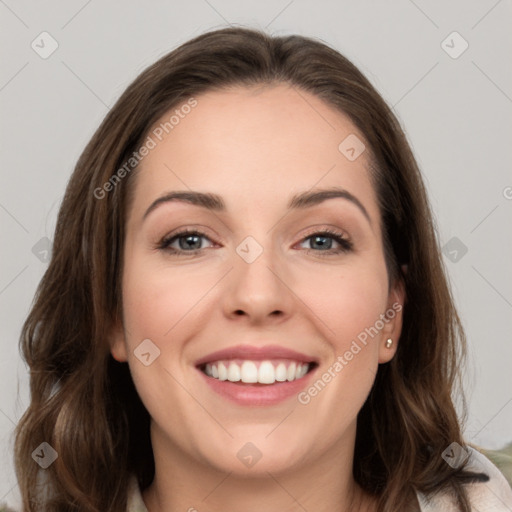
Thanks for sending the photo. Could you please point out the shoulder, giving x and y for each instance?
(493, 495)
(134, 500)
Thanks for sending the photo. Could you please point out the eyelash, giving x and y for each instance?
(345, 244)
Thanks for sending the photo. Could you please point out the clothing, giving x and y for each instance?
(495, 495)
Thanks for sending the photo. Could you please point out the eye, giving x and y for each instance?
(323, 241)
(189, 241)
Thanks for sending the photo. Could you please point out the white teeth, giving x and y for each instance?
(266, 373)
(281, 372)
(234, 373)
(223, 373)
(291, 372)
(249, 372)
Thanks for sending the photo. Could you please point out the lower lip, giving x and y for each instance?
(257, 394)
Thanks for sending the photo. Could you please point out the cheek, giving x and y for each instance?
(349, 302)
(157, 299)
(163, 306)
(346, 300)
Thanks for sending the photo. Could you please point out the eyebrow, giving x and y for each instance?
(215, 202)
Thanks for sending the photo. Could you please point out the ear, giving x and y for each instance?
(117, 342)
(392, 321)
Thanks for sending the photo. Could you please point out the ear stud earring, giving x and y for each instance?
(389, 342)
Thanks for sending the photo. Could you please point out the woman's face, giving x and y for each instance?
(259, 275)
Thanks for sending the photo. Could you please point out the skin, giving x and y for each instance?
(256, 147)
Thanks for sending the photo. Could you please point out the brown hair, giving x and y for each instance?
(84, 403)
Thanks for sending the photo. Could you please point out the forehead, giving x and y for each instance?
(255, 144)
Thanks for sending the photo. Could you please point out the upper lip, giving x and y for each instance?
(255, 353)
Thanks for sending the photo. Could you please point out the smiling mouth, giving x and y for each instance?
(264, 372)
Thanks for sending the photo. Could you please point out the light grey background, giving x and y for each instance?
(456, 112)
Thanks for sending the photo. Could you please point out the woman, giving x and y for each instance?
(302, 356)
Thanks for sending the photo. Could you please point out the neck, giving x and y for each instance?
(183, 483)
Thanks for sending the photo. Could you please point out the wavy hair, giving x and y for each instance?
(84, 403)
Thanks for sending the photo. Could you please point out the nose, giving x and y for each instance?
(258, 291)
